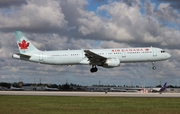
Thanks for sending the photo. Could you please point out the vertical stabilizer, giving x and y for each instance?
(163, 88)
(23, 43)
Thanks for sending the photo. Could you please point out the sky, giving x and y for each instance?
(91, 24)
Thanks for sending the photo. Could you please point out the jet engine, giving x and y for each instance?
(112, 62)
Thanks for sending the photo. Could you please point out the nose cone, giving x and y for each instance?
(168, 55)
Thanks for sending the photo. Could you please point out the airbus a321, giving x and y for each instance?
(107, 58)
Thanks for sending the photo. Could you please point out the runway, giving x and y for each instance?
(90, 94)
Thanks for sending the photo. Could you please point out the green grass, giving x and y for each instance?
(87, 105)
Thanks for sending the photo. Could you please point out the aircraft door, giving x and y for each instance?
(154, 52)
(123, 54)
(40, 57)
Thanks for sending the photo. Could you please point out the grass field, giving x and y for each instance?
(87, 105)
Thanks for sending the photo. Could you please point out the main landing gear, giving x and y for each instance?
(153, 66)
(93, 69)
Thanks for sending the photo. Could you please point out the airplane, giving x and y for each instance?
(117, 90)
(16, 88)
(51, 89)
(106, 58)
(160, 90)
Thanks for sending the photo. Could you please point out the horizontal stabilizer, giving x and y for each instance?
(20, 56)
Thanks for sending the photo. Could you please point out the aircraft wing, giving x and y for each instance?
(94, 58)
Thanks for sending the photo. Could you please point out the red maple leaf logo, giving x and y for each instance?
(147, 49)
(23, 44)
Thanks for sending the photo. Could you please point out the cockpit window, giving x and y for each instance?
(162, 51)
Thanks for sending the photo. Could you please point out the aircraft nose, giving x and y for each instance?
(168, 55)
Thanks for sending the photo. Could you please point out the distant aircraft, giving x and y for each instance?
(160, 90)
(51, 89)
(107, 58)
(16, 89)
(117, 90)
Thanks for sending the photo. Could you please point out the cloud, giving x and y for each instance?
(8, 3)
(127, 24)
(59, 25)
(33, 18)
(132, 3)
(164, 12)
(173, 3)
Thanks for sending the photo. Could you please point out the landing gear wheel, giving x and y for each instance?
(93, 69)
(154, 68)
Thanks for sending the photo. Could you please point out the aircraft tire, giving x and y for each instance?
(92, 70)
(154, 68)
(95, 69)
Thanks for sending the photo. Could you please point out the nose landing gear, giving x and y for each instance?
(153, 66)
(93, 69)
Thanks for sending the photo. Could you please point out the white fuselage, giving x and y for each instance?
(75, 57)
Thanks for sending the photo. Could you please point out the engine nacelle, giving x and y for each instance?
(112, 62)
